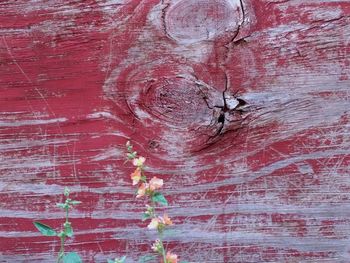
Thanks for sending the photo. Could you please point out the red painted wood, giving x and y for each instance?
(260, 176)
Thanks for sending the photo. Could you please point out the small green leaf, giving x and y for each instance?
(184, 262)
(60, 205)
(72, 257)
(110, 261)
(68, 229)
(145, 216)
(45, 229)
(74, 202)
(66, 191)
(143, 179)
(122, 259)
(159, 198)
(62, 234)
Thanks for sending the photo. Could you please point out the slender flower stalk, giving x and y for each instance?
(66, 232)
(150, 189)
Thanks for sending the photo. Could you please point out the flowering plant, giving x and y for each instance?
(150, 189)
(146, 188)
(66, 232)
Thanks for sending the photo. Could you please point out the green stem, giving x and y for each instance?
(160, 234)
(63, 237)
(163, 249)
(67, 215)
(61, 254)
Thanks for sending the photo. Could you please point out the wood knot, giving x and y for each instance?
(190, 21)
(177, 102)
(194, 111)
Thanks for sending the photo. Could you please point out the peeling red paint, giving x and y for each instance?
(240, 106)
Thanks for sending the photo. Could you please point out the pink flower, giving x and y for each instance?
(154, 223)
(136, 176)
(171, 258)
(142, 190)
(139, 161)
(157, 246)
(159, 222)
(155, 183)
(166, 220)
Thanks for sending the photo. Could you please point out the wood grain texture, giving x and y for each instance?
(241, 106)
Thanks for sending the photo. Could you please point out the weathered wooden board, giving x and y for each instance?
(241, 106)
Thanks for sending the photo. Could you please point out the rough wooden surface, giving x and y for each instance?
(241, 106)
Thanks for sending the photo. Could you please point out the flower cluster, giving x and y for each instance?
(138, 177)
(158, 247)
(171, 257)
(150, 188)
(159, 222)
